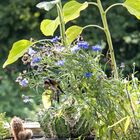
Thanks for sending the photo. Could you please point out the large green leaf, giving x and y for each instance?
(133, 6)
(73, 32)
(47, 5)
(127, 123)
(48, 26)
(18, 49)
(72, 10)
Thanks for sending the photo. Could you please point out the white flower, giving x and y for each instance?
(31, 52)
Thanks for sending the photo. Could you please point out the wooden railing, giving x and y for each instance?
(34, 126)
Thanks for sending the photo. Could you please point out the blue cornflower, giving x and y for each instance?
(88, 74)
(31, 52)
(24, 82)
(55, 39)
(36, 59)
(75, 49)
(60, 63)
(83, 44)
(96, 48)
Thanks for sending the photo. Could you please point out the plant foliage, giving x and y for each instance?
(78, 96)
(3, 131)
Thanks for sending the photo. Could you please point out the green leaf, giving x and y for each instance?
(47, 5)
(72, 9)
(18, 50)
(127, 123)
(120, 121)
(48, 26)
(73, 32)
(133, 6)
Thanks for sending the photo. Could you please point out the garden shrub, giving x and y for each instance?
(78, 95)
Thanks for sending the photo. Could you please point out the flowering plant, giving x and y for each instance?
(50, 59)
(77, 91)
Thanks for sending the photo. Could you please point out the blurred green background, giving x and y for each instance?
(21, 20)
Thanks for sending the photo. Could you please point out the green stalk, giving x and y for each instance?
(109, 40)
(95, 26)
(62, 23)
(110, 7)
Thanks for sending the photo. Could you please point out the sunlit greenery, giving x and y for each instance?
(87, 78)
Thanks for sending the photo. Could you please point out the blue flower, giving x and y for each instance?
(24, 82)
(88, 74)
(55, 39)
(36, 59)
(83, 44)
(31, 52)
(75, 49)
(60, 63)
(96, 48)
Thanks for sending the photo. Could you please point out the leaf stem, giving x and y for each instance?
(62, 23)
(109, 39)
(42, 40)
(96, 26)
(110, 7)
(93, 3)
